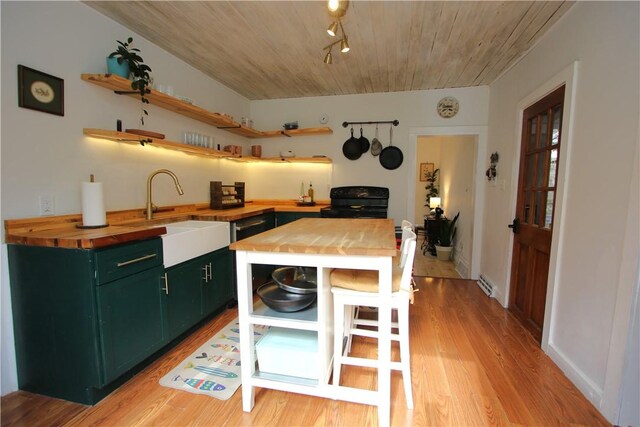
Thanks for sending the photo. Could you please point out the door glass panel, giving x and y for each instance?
(544, 124)
(555, 129)
(553, 164)
(532, 133)
(530, 165)
(537, 208)
(548, 213)
(540, 169)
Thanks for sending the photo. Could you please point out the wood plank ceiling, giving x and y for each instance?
(274, 49)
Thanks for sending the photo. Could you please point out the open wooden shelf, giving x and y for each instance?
(323, 159)
(296, 132)
(130, 138)
(119, 84)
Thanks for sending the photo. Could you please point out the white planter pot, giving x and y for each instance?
(444, 252)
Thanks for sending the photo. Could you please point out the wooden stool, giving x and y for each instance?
(353, 288)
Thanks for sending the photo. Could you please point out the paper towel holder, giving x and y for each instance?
(88, 227)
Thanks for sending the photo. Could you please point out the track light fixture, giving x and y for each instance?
(328, 59)
(344, 44)
(337, 9)
(333, 29)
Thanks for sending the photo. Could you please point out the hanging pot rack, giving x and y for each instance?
(393, 122)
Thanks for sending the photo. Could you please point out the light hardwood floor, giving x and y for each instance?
(427, 265)
(472, 364)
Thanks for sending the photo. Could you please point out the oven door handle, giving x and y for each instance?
(250, 225)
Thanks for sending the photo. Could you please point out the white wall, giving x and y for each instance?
(457, 171)
(412, 109)
(587, 311)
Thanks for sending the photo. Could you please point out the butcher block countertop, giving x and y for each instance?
(327, 236)
(130, 225)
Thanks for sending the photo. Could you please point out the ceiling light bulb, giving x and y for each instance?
(344, 45)
(328, 59)
(333, 29)
(333, 5)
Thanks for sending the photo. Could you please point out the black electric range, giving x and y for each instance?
(357, 202)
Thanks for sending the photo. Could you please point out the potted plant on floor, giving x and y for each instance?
(131, 63)
(445, 238)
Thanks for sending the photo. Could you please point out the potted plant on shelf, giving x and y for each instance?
(445, 238)
(135, 66)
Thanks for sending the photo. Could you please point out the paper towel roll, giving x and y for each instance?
(93, 213)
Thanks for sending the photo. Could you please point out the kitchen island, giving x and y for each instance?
(324, 244)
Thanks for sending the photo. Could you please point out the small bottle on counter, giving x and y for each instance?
(301, 191)
(310, 191)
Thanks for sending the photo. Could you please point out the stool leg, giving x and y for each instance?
(405, 355)
(338, 334)
(351, 314)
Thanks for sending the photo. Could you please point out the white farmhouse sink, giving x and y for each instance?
(189, 239)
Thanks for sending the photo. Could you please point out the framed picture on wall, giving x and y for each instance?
(40, 91)
(426, 169)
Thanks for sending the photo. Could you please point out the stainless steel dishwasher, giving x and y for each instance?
(248, 227)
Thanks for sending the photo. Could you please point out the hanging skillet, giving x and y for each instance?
(376, 145)
(391, 157)
(364, 142)
(351, 148)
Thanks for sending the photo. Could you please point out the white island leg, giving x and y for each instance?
(384, 344)
(247, 346)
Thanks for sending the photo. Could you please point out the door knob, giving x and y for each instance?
(515, 225)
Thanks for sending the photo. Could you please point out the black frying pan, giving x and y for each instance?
(391, 157)
(351, 148)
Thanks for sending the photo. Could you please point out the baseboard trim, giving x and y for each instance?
(462, 267)
(587, 387)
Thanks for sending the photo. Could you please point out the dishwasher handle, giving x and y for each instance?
(250, 225)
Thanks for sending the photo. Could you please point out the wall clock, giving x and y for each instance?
(448, 107)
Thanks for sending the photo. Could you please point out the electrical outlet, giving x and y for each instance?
(47, 205)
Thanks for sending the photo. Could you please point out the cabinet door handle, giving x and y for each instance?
(210, 272)
(133, 261)
(166, 284)
(206, 274)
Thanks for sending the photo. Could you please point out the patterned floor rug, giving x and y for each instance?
(214, 368)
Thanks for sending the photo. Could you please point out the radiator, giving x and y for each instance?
(485, 285)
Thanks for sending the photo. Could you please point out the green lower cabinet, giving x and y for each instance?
(183, 296)
(217, 286)
(82, 318)
(283, 218)
(130, 312)
(197, 288)
(85, 321)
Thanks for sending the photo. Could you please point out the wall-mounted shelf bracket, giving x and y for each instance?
(129, 92)
(393, 122)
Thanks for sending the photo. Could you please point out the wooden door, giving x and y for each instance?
(533, 225)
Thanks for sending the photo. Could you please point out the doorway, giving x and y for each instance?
(477, 137)
(454, 158)
(533, 223)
